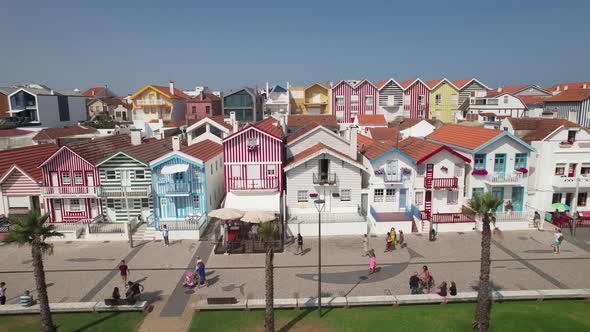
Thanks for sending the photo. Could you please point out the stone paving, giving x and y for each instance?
(87, 271)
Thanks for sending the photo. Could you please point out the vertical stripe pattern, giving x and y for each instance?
(344, 112)
(416, 109)
(563, 109)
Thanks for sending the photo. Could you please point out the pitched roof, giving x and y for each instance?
(532, 100)
(278, 88)
(148, 151)
(98, 148)
(220, 119)
(27, 159)
(536, 129)
(55, 133)
(205, 97)
(166, 90)
(303, 119)
(203, 150)
(462, 136)
(432, 83)
(302, 131)
(572, 85)
(381, 84)
(14, 132)
(507, 89)
(365, 119)
(460, 84)
(383, 134)
(307, 153)
(570, 95)
(370, 148)
(92, 91)
(406, 84)
(408, 122)
(271, 126)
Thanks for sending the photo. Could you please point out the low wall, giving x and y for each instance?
(17, 309)
(105, 237)
(178, 235)
(382, 227)
(454, 227)
(331, 228)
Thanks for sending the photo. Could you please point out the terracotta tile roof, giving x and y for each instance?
(172, 124)
(92, 91)
(570, 95)
(406, 84)
(370, 148)
(271, 126)
(14, 132)
(150, 150)
(220, 119)
(207, 97)
(532, 100)
(177, 92)
(55, 133)
(408, 123)
(383, 134)
(432, 83)
(303, 119)
(536, 129)
(27, 159)
(418, 148)
(463, 136)
(507, 89)
(98, 148)
(203, 150)
(315, 148)
(460, 84)
(381, 84)
(487, 114)
(572, 85)
(302, 131)
(366, 119)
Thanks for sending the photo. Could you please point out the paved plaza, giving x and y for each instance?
(87, 271)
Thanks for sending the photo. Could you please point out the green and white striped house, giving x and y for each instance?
(126, 180)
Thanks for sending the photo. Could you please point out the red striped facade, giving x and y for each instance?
(251, 168)
(416, 109)
(67, 161)
(19, 184)
(347, 112)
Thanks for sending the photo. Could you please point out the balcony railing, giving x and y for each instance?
(444, 183)
(69, 191)
(570, 182)
(313, 101)
(393, 178)
(513, 177)
(324, 179)
(125, 191)
(254, 184)
(450, 218)
(151, 102)
(177, 188)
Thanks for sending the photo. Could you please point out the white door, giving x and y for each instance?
(90, 182)
(54, 179)
(56, 209)
(93, 208)
(125, 178)
(253, 176)
(317, 98)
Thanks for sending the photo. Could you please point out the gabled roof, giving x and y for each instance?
(278, 88)
(353, 83)
(407, 84)
(312, 84)
(421, 150)
(271, 126)
(383, 134)
(513, 89)
(572, 85)
(55, 133)
(308, 129)
(93, 91)
(203, 150)
(95, 149)
(460, 84)
(110, 101)
(379, 85)
(164, 90)
(432, 84)
(303, 119)
(217, 121)
(316, 150)
(251, 91)
(368, 119)
(573, 95)
(205, 97)
(409, 123)
(532, 100)
(27, 159)
(537, 129)
(143, 153)
(471, 139)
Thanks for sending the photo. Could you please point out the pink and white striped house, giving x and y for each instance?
(253, 166)
(416, 99)
(71, 180)
(351, 98)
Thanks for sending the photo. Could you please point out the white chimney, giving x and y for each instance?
(267, 90)
(172, 87)
(353, 138)
(282, 122)
(135, 136)
(500, 89)
(176, 143)
(584, 86)
(565, 88)
(288, 85)
(233, 122)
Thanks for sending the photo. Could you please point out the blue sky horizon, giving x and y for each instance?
(73, 44)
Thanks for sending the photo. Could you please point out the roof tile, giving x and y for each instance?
(203, 150)
(27, 159)
(570, 96)
(463, 136)
(303, 119)
(368, 119)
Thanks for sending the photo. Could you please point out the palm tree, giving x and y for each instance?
(33, 231)
(267, 232)
(484, 206)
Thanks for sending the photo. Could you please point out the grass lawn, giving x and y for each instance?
(508, 316)
(108, 322)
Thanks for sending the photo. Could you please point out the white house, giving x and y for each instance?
(416, 127)
(368, 121)
(211, 128)
(277, 102)
(490, 109)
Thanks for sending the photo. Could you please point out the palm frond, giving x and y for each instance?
(33, 231)
(268, 231)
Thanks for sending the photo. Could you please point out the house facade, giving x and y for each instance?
(366, 121)
(102, 108)
(493, 109)
(212, 128)
(572, 105)
(277, 103)
(203, 105)
(444, 100)
(351, 98)
(416, 99)
(245, 102)
(391, 99)
(470, 88)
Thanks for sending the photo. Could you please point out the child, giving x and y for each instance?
(387, 242)
(372, 262)
(299, 244)
(453, 289)
(2, 293)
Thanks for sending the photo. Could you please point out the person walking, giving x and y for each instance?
(164, 230)
(415, 284)
(299, 244)
(401, 239)
(124, 271)
(2, 293)
(558, 239)
(201, 273)
(388, 242)
(426, 278)
(372, 262)
(393, 238)
(365, 246)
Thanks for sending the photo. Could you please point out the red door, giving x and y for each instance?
(429, 176)
(428, 204)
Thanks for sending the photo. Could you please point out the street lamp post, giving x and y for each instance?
(319, 205)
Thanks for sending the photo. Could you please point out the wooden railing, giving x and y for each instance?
(123, 191)
(177, 187)
(254, 184)
(329, 178)
(450, 218)
(445, 183)
(69, 191)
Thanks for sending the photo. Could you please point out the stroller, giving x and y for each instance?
(189, 280)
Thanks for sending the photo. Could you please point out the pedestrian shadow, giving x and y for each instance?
(291, 324)
(231, 287)
(151, 297)
(305, 251)
(90, 326)
(543, 251)
(87, 260)
(213, 280)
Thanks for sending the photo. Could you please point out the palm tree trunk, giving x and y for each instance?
(269, 318)
(39, 271)
(484, 304)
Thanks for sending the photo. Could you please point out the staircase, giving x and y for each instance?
(143, 234)
(425, 226)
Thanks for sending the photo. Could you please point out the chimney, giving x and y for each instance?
(288, 85)
(353, 138)
(135, 136)
(172, 87)
(267, 90)
(202, 94)
(500, 89)
(282, 122)
(233, 122)
(52, 92)
(176, 143)
(584, 86)
(565, 88)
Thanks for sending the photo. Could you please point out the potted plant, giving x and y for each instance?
(481, 172)
(522, 170)
(508, 206)
(313, 195)
(444, 169)
(406, 171)
(253, 148)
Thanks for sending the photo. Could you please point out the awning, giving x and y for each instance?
(254, 201)
(171, 169)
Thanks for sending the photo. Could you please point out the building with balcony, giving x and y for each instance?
(277, 103)
(154, 106)
(39, 105)
(245, 102)
(561, 164)
(187, 183)
(499, 161)
(253, 166)
(71, 180)
(350, 98)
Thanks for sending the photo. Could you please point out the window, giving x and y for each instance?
(476, 191)
(390, 100)
(479, 161)
(302, 196)
(197, 202)
(211, 169)
(420, 114)
(369, 100)
(419, 200)
(137, 204)
(407, 99)
(339, 100)
(236, 171)
(556, 198)
(111, 175)
(78, 178)
(354, 100)
(421, 99)
(455, 99)
(208, 109)
(65, 178)
(345, 194)
(178, 176)
(585, 170)
(571, 136)
(252, 142)
(378, 195)
(194, 109)
(560, 169)
(505, 99)
(64, 108)
(75, 204)
(140, 174)
(520, 160)
(271, 170)
(110, 203)
(438, 99)
(145, 203)
(582, 197)
(389, 195)
(421, 170)
(452, 197)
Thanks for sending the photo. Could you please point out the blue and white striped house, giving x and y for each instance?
(572, 105)
(187, 183)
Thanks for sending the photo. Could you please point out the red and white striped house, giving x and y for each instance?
(253, 166)
(351, 98)
(416, 99)
(21, 178)
(71, 179)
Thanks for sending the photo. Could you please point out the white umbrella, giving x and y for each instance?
(257, 216)
(226, 213)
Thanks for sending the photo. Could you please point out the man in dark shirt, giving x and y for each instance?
(134, 291)
(415, 284)
(124, 270)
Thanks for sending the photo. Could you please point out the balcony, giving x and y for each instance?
(315, 101)
(511, 178)
(387, 216)
(394, 178)
(125, 191)
(70, 191)
(441, 183)
(570, 182)
(324, 179)
(151, 102)
(450, 218)
(177, 188)
(254, 184)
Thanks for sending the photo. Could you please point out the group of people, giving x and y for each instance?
(134, 289)
(392, 239)
(25, 300)
(424, 281)
(198, 277)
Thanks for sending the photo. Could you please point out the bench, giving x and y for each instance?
(17, 309)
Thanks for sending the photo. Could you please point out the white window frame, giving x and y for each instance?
(390, 100)
(252, 141)
(110, 203)
(354, 100)
(345, 195)
(452, 197)
(367, 99)
(78, 178)
(71, 205)
(302, 196)
(65, 178)
(197, 201)
(455, 99)
(339, 100)
(421, 170)
(419, 198)
(389, 195)
(271, 170)
(139, 174)
(236, 171)
(145, 202)
(378, 195)
(407, 99)
(111, 175)
(505, 99)
(438, 99)
(421, 100)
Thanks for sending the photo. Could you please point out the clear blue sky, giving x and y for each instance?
(226, 44)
